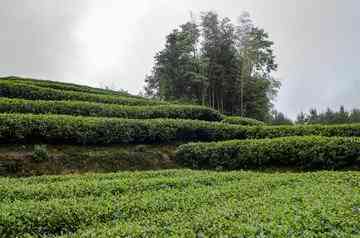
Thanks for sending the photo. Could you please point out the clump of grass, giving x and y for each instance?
(40, 153)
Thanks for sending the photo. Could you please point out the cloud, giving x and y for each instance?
(35, 39)
(112, 43)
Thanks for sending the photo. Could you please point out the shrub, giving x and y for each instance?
(242, 121)
(65, 86)
(312, 152)
(23, 128)
(40, 153)
(182, 203)
(57, 129)
(108, 110)
(27, 91)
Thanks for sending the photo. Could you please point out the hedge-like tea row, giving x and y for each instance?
(311, 152)
(65, 86)
(23, 128)
(27, 91)
(242, 121)
(108, 110)
(181, 203)
(61, 129)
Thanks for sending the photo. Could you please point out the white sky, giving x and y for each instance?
(112, 43)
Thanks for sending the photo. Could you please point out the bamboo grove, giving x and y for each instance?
(216, 63)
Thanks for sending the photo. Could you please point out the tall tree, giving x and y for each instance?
(230, 69)
(218, 47)
(257, 86)
(176, 68)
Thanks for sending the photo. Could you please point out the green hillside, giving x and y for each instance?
(65, 86)
(52, 128)
(35, 112)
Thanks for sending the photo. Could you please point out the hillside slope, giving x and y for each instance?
(45, 113)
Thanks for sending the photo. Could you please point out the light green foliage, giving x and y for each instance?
(108, 110)
(171, 203)
(292, 152)
(242, 121)
(182, 203)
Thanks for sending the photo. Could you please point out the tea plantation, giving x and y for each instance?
(118, 165)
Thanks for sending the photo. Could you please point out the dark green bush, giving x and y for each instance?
(23, 128)
(312, 152)
(40, 153)
(27, 91)
(108, 110)
(58, 129)
(242, 121)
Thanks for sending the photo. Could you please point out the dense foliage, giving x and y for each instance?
(108, 110)
(28, 128)
(40, 153)
(65, 86)
(216, 63)
(182, 203)
(295, 152)
(242, 121)
(29, 91)
(329, 117)
(169, 203)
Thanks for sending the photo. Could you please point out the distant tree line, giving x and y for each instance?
(219, 64)
(279, 118)
(329, 116)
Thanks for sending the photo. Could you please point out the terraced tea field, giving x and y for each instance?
(182, 203)
(252, 179)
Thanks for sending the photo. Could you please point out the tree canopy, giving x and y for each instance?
(219, 64)
(329, 116)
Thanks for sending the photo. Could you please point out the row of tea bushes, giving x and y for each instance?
(29, 128)
(108, 110)
(306, 152)
(182, 203)
(236, 120)
(64, 86)
(27, 91)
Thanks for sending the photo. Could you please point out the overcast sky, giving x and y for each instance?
(112, 43)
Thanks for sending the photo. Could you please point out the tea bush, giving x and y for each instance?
(182, 203)
(108, 110)
(312, 152)
(40, 153)
(65, 86)
(29, 128)
(28, 91)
